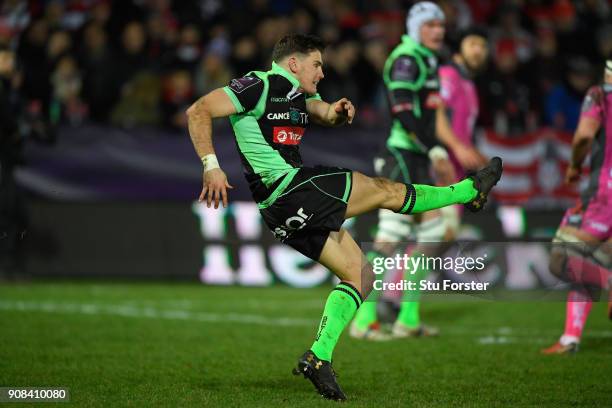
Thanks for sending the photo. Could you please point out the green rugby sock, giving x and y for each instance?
(409, 311)
(366, 315)
(409, 314)
(341, 305)
(422, 197)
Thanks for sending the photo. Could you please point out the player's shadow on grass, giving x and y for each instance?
(285, 385)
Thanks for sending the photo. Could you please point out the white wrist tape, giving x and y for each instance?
(210, 162)
(437, 152)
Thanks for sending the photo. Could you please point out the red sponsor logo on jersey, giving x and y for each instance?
(433, 100)
(401, 107)
(287, 135)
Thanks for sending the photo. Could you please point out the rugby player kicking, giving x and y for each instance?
(305, 207)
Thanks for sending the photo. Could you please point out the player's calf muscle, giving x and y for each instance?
(370, 193)
(392, 193)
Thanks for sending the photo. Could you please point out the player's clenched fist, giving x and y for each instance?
(344, 110)
(215, 187)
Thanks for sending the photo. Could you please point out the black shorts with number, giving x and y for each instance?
(404, 166)
(312, 205)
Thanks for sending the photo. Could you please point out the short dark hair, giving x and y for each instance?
(303, 44)
(477, 31)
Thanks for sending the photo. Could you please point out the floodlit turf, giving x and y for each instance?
(174, 345)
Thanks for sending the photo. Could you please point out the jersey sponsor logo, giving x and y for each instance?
(297, 116)
(278, 116)
(294, 115)
(287, 135)
(404, 69)
(297, 222)
(239, 85)
(598, 226)
(401, 107)
(433, 100)
(278, 100)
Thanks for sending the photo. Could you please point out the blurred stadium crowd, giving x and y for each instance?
(142, 62)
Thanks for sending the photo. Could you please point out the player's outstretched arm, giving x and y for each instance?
(334, 114)
(216, 104)
(581, 144)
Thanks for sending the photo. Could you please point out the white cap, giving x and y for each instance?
(420, 13)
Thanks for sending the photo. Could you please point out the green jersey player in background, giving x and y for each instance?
(412, 152)
(305, 207)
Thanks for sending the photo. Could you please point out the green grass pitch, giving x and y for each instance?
(183, 345)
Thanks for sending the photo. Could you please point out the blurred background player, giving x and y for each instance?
(460, 97)
(582, 247)
(411, 151)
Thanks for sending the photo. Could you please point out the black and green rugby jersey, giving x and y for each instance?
(269, 124)
(413, 89)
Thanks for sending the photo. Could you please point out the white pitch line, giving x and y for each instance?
(518, 332)
(248, 303)
(152, 313)
(482, 335)
(495, 340)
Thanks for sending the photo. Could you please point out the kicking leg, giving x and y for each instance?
(369, 193)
